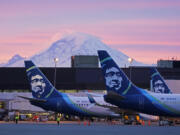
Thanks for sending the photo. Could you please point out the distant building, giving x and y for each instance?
(168, 63)
(84, 61)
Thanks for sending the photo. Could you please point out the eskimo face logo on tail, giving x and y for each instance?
(158, 87)
(37, 84)
(113, 78)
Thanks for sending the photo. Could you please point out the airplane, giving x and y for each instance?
(132, 116)
(123, 93)
(158, 85)
(47, 97)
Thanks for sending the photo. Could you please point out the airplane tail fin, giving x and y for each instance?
(115, 79)
(40, 86)
(157, 82)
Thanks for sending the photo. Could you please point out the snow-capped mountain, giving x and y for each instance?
(2, 64)
(74, 44)
(15, 59)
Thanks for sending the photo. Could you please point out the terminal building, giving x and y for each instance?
(168, 63)
(79, 78)
(84, 74)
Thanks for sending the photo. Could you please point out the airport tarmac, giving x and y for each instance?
(93, 129)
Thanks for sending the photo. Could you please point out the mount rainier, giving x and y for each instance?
(73, 44)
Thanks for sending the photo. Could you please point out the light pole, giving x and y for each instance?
(55, 62)
(130, 66)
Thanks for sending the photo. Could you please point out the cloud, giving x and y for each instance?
(44, 7)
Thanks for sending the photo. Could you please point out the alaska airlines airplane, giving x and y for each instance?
(123, 93)
(47, 97)
(157, 82)
(158, 85)
(142, 116)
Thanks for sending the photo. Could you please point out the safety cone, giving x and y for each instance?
(143, 122)
(79, 122)
(85, 123)
(89, 123)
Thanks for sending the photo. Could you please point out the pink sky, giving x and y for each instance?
(138, 29)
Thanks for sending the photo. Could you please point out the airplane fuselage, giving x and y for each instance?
(151, 103)
(79, 106)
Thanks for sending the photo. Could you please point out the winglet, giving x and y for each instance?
(91, 99)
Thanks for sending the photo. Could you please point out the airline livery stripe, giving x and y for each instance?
(164, 106)
(50, 93)
(108, 58)
(30, 68)
(154, 74)
(129, 86)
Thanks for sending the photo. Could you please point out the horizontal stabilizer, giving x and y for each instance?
(33, 99)
(113, 95)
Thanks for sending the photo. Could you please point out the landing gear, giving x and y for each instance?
(126, 120)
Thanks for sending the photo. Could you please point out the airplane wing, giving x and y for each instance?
(33, 99)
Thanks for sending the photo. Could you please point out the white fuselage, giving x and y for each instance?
(84, 104)
(167, 100)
